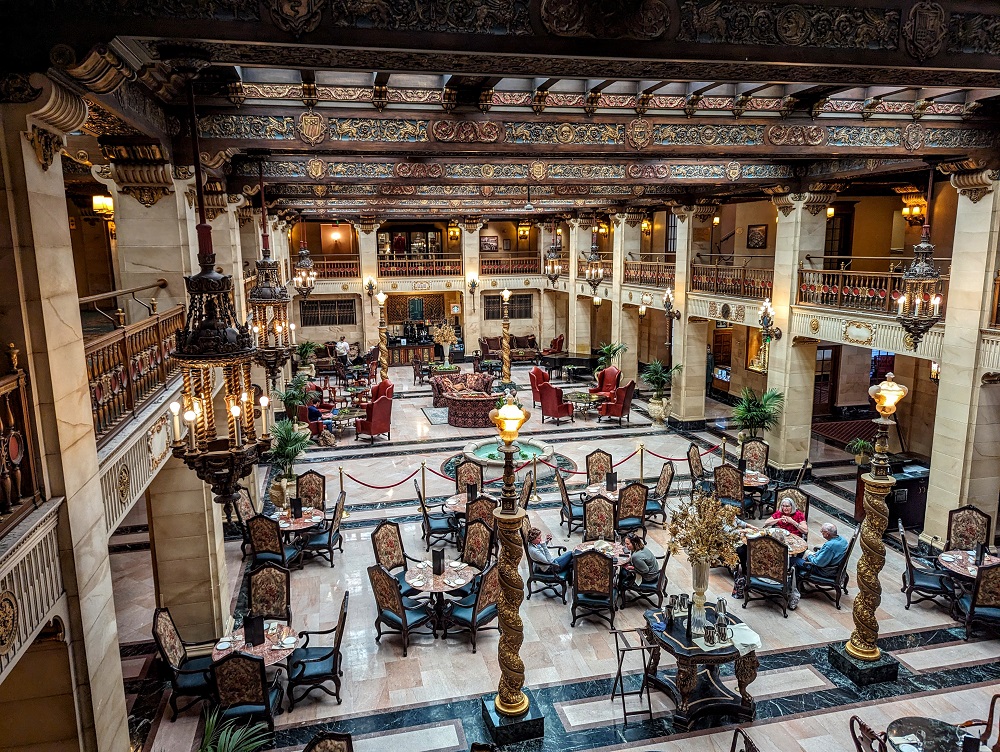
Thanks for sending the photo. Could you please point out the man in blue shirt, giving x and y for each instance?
(828, 556)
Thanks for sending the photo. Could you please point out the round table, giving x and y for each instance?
(963, 563)
(439, 584)
(457, 503)
(491, 366)
(344, 418)
(796, 545)
(308, 520)
(266, 650)
(618, 549)
(753, 481)
(584, 402)
(932, 735)
(601, 489)
(357, 393)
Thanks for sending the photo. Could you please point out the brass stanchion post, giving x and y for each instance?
(535, 496)
(642, 455)
(345, 514)
(423, 478)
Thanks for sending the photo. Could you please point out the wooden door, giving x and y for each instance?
(825, 388)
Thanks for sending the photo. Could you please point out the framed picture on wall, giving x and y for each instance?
(489, 243)
(757, 236)
(506, 244)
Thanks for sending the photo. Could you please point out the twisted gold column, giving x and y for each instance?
(383, 345)
(864, 640)
(505, 348)
(510, 699)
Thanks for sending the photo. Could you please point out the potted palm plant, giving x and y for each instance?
(659, 377)
(862, 450)
(229, 737)
(305, 356)
(287, 445)
(295, 393)
(754, 414)
(607, 354)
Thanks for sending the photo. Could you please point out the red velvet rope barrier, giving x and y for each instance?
(616, 464)
(556, 467)
(391, 485)
(517, 469)
(440, 475)
(679, 459)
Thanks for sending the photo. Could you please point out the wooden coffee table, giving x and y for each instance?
(584, 402)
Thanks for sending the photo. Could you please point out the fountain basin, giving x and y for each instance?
(486, 453)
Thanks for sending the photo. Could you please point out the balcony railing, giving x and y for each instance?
(649, 273)
(20, 487)
(429, 268)
(874, 292)
(995, 318)
(127, 367)
(249, 280)
(337, 269)
(526, 265)
(732, 280)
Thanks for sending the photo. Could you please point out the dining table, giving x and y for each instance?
(458, 503)
(616, 549)
(796, 544)
(920, 734)
(456, 575)
(279, 642)
(344, 418)
(601, 489)
(963, 563)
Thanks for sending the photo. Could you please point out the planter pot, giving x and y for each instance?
(446, 348)
(281, 491)
(658, 410)
(861, 459)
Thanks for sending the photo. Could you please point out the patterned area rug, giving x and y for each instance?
(436, 416)
(843, 431)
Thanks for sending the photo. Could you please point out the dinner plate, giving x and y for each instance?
(288, 642)
(223, 645)
(973, 570)
(456, 564)
(452, 503)
(423, 564)
(284, 524)
(947, 557)
(459, 581)
(418, 583)
(909, 748)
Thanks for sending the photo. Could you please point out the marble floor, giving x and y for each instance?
(429, 700)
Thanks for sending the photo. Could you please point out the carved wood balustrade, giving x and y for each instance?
(518, 265)
(738, 281)
(20, 482)
(426, 268)
(874, 292)
(649, 273)
(337, 269)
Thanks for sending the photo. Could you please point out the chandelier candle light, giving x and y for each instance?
(768, 331)
(919, 305)
(594, 270)
(553, 264)
(305, 276)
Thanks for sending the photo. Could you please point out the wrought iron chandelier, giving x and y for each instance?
(594, 269)
(213, 340)
(919, 304)
(268, 300)
(305, 276)
(553, 260)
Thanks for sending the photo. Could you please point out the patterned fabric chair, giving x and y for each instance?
(926, 583)
(189, 677)
(570, 514)
(593, 587)
(481, 509)
(598, 519)
(631, 509)
(557, 582)
(598, 466)
(768, 572)
(270, 593)
(620, 405)
(313, 666)
(967, 527)
(537, 377)
(799, 499)
(754, 452)
(321, 542)
(243, 692)
(399, 617)
(527, 487)
(983, 604)
(478, 544)
(477, 610)
(435, 526)
(244, 511)
(866, 739)
(388, 545)
(646, 591)
(468, 473)
(832, 580)
(265, 542)
(768, 502)
(554, 407)
(607, 382)
(377, 420)
(699, 476)
(311, 488)
(656, 501)
(330, 741)
(729, 489)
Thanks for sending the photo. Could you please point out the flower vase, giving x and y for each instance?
(446, 348)
(699, 579)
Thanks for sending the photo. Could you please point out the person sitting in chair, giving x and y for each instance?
(642, 561)
(316, 415)
(539, 553)
(828, 556)
(789, 519)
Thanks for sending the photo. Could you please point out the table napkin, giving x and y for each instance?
(700, 642)
(744, 638)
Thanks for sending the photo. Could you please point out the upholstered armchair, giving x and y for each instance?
(540, 578)
(928, 584)
(570, 514)
(607, 382)
(598, 519)
(599, 464)
(383, 388)
(331, 741)
(656, 501)
(555, 346)
(243, 691)
(490, 347)
(983, 604)
(475, 612)
(630, 512)
(468, 473)
(312, 666)
(436, 527)
(537, 377)
(594, 587)
(729, 488)
(553, 406)
(393, 614)
(302, 416)
(378, 420)
(270, 593)
(322, 542)
(768, 572)
(189, 677)
(967, 527)
(620, 406)
(388, 545)
(266, 545)
(832, 580)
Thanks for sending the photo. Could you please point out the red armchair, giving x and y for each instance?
(607, 382)
(621, 406)
(537, 377)
(553, 405)
(555, 346)
(383, 388)
(315, 426)
(378, 420)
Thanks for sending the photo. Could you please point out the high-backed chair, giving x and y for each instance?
(189, 677)
(768, 502)
(331, 741)
(768, 572)
(607, 382)
(967, 527)
(570, 514)
(478, 546)
(799, 499)
(435, 526)
(555, 346)
(599, 464)
(527, 487)
(384, 388)
(243, 691)
(265, 542)
(392, 613)
(481, 509)
(729, 488)
(312, 666)
(270, 593)
(699, 476)
(832, 580)
(651, 592)
(631, 509)
(620, 406)
(322, 542)
(866, 739)
(377, 420)
(244, 511)
(541, 576)
(477, 610)
(598, 519)
(754, 452)
(554, 407)
(982, 605)
(388, 546)
(537, 377)
(656, 501)
(302, 416)
(741, 742)
(928, 584)
(310, 486)
(468, 473)
(594, 587)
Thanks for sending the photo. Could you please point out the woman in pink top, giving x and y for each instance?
(788, 518)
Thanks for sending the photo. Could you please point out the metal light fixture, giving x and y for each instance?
(830, 212)
(553, 264)
(647, 227)
(594, 268)
(768, 331)
(597, 301)
(645, 300)
(370, 292)
(523, 230)
(305, 276)
(528, 206)
(914, 215)
(104, 206)
(473, 286)
(715, 220)
(935, 371)
(919, 305)
(454, 232)
(668, 304)
(213, 341)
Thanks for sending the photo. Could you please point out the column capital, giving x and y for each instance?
(682, 212)
(367, 224)
(50, 112)
(472, 224)
(974, 184)
(704, 212)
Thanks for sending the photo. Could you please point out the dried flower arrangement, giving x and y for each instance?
(705, 529)
(445, 334)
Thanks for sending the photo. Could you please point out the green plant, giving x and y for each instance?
(287, 445)
(753, 414)
(295, 393)
(228, 737)
(859, 446)
(306, 351)
(608, 353)
(659, 377)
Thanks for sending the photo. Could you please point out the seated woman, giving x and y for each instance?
(539, 553)
(642, 559)
(788, 518)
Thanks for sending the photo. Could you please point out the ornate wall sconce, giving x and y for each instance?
(370, 292)
(454, 232)
(830, 211)
(523, 230)
(104, 207)
(644, 301)
(668, 304)
(768, 331)
(935, 371)
(914, 215)
(715, 220)
(647, 227)
(473, 286)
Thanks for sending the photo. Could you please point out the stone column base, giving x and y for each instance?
(863, 673)
(506, 730)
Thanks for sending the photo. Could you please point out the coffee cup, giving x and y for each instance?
(709, 635)
(722, 632)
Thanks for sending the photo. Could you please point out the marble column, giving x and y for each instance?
(966, 449)
(472, 328)
(690, 334)
(801, 230)
(578, 328)
(368, 254)
(549, 329)
(626, 240)
(628, 332)
(38, 303)
(189, 558)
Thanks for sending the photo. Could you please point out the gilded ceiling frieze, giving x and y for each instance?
(856, 164)
(587, 171)
(642, 19)
(855, 135)
(960, 138)
(763, 23)
(796, 135)
(268, 127)
(418, 170)
(974, 33)
(453, 16)
(378, 131)
(465, 131)
(564, 133)
(220, 10)
(504, 171)
(698, 171)
(765, 171)
(660, 171)
(708, 135)
(100, 122)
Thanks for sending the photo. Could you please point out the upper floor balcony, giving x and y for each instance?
(513, 265)
(736, 281)
(871, 292)
(649, 274)
(337, 269)
(444, 267)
